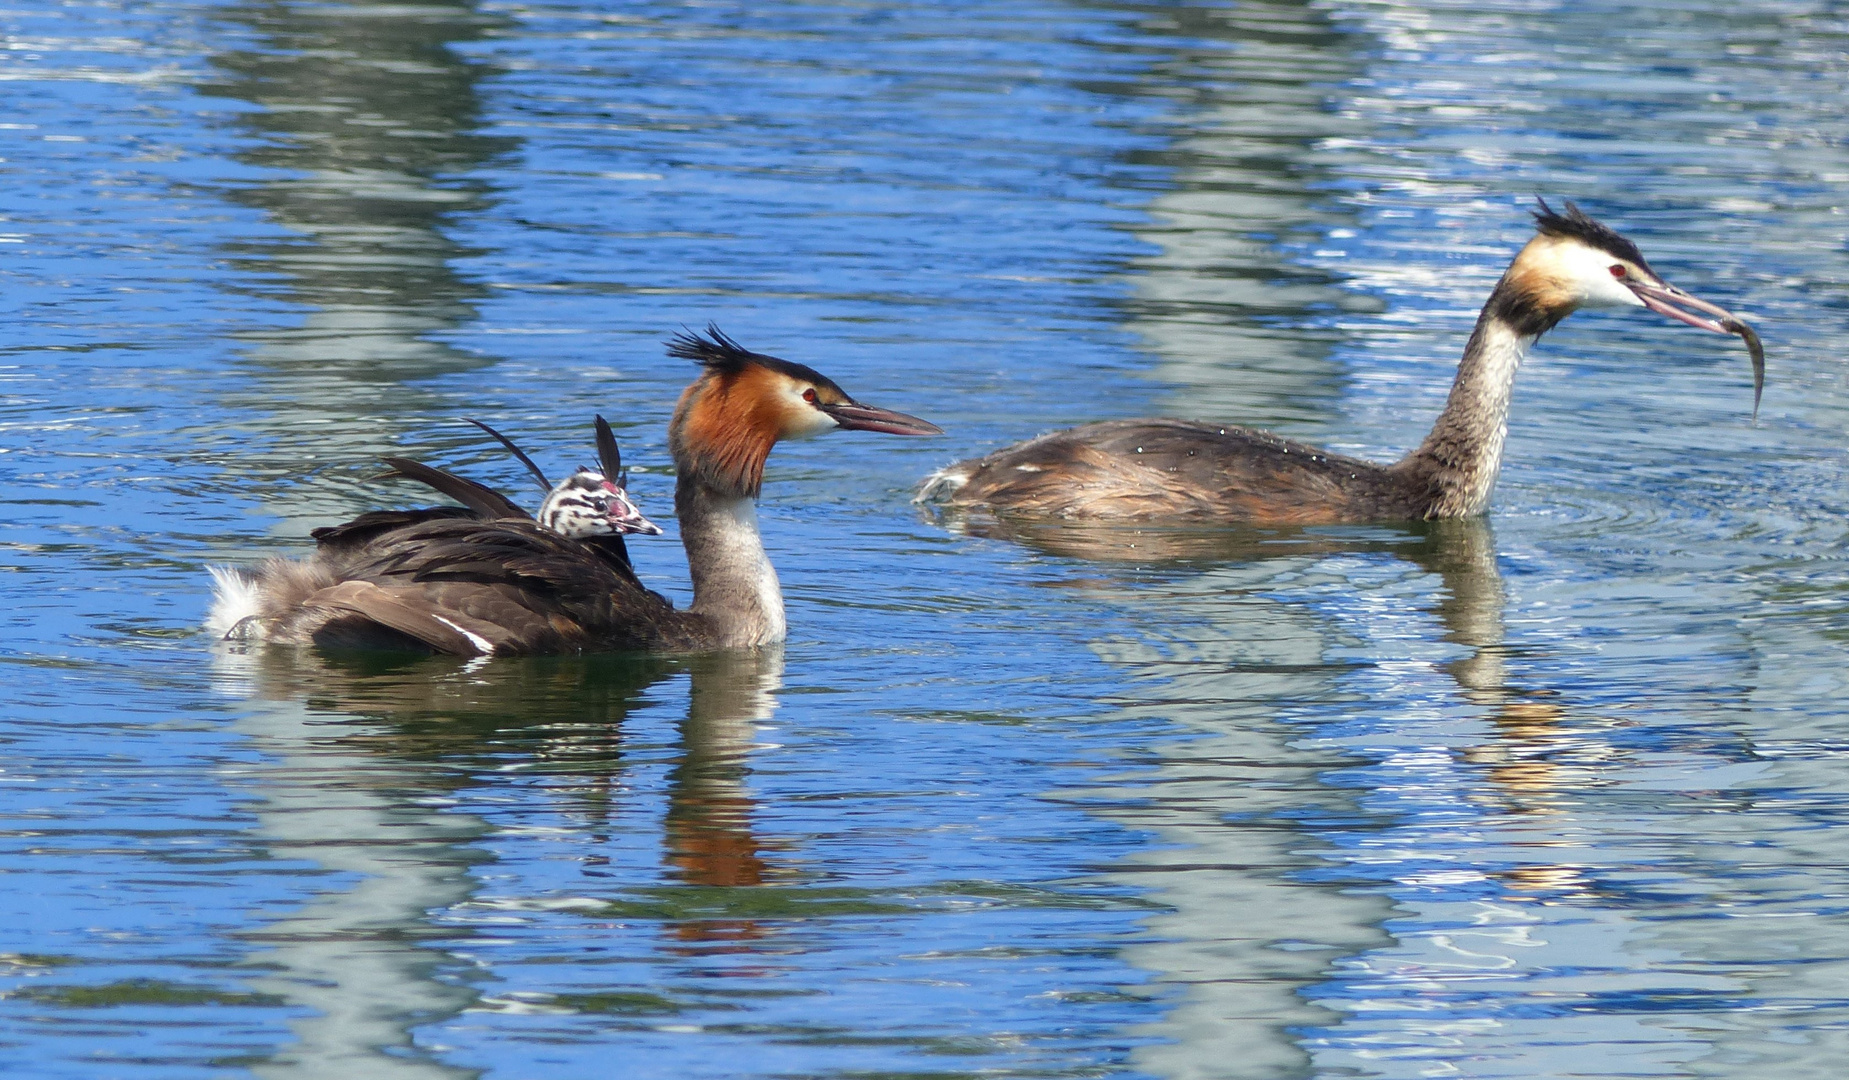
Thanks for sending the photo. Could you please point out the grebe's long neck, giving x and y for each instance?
(1458, 462)
(734, 586)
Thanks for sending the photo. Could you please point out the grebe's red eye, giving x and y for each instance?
(809, 395)
(1617, 270)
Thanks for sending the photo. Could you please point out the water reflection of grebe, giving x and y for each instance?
(565, 714)
(1542, 754)
(1156, 470)
(709, 841)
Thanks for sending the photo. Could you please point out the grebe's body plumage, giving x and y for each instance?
(455, 581)
(1162, 469)
(451, 553)
(450, 584)
(1182, 470)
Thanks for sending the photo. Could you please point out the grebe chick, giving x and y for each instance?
(478, 587)
(590, 502)
(1161, 469)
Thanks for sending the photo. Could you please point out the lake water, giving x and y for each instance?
(1559, 793)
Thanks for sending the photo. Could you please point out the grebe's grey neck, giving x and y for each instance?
(1460, 458)
(735, 588)
(1572, 262)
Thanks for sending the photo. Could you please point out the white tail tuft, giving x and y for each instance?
(942, 484)
(236, 599)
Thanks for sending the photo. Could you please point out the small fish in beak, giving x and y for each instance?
(1665, 299)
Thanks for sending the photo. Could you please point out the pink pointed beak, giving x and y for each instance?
(857, 417)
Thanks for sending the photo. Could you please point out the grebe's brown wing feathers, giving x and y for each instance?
(478, 501)
(508, 586)
(539, 474)
(353, 536)
(612, 549)
(367, 615)
(484, 500)
(1132, 470)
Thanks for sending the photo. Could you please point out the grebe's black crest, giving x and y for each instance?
(720, 354)
(1578, 225)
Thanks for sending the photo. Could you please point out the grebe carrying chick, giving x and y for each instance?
(1189, 471)
(468, 584)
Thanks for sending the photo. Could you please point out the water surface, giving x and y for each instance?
(1557, 793)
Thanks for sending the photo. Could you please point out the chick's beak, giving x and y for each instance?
(857, 417)
(626, 517)
(1665, 299)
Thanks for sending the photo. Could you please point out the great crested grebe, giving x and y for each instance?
(475, 586)
(1162, 469)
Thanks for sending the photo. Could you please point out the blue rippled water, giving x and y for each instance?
(1554, 794)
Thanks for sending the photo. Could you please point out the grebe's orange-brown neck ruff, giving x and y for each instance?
(1160, 469)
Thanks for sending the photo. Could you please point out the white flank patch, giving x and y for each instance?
(236, 599)
(475, 639)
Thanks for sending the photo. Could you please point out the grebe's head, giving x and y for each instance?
(1575, 261)
(744, 402)
(587, 503)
